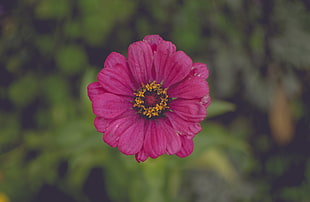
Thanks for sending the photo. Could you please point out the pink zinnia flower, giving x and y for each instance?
(151, 103)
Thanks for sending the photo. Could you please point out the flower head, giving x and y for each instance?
(152, 102)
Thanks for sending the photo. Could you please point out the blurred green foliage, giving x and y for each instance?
(50, 50)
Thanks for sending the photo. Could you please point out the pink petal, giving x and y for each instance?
(141, 156)
(176, 69)
(182, 126)
(200, 70)
(206, 101)
(155, 141)
(131, 141)
(194, 85)
(164, 50)
(173, 139)
(117, 127)
(187, 147)
(110, 106)
(153, 40)
(194, 129)
(101, 124)
(94, 89)
(111, 140)
(188, 110)
(190, 88)
(115, 77)
(140, 59)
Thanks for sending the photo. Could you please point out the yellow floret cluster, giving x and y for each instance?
(151, 111)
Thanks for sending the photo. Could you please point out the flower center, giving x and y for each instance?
(151, 100)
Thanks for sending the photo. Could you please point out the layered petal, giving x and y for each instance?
(140, 60)
(206, 101)
(155, 141)
(194, 129)
(94, 89)
(110, 106)
(131, 141)
(200, 70)
(182, 126)
(194, 85)
(177, 67)
(151, 103)
(164, 50)
(190, 88)
(189, 110)
(141, 156)
(101, 124)
(117, 127)
(115, 77)
(187, 147)
(173, 138)
(153, 40)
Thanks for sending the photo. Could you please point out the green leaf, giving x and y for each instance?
(51, 9)
(55, 89)
(45, 43)
(24, 90)
(73, 29)
(154, 176)
(71, 59)
(118, 177)
(99, 17)
(95, 28)
(219, 107)
(215, 135)
(9, 134)
(89, 77)
(218, 161)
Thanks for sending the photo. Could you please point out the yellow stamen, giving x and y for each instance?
(151, 89)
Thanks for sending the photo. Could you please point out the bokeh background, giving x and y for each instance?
(255, 143)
